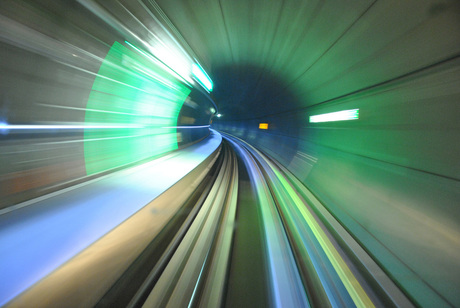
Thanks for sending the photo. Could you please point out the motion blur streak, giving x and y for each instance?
(56, 127)
(287, 290)
(87, 100)
(337, 182)
(63, 225)
(343, 115)
(289, 202)
(127, 84)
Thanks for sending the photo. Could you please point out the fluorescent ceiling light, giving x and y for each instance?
(344, 115)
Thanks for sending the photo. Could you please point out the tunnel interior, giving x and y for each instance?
(249, 92)
(390, 177)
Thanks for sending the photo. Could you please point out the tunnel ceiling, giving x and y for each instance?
(267, 57)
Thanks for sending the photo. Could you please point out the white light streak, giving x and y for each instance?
(198, 126)
(202, 77)
(53, 127)
(344, 115)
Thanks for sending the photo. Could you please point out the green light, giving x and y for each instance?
(202, 77)
(354, 288)
(141, 98)
(344, 115)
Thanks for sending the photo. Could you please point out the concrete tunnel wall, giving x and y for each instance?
(51, 55)
(391, 177)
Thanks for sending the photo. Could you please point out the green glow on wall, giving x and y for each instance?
(344, 115)
(141, 101)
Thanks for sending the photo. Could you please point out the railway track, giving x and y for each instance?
(303, 258)
(238, 231)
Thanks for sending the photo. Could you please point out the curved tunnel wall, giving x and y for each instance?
(64, 68)
(391, 177)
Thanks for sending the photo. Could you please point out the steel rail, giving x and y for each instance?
(335, 270)
(287, 289)
(206, 245)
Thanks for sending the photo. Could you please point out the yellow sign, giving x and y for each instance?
(263, 126)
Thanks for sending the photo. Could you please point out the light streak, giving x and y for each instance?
(202, 77)
(148, 89)
(354, 288)
(54, 127)
(197, 126)
(344, 115)
(161, 63)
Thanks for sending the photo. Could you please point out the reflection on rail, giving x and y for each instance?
(307, 260)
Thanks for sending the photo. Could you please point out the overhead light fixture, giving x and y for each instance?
(202, 77)
(344, 115)
(219, 115)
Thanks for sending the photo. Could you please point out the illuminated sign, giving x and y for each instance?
(263, 126)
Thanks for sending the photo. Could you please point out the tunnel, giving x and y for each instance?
(218, 153)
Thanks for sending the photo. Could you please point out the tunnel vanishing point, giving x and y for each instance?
(237, 153)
